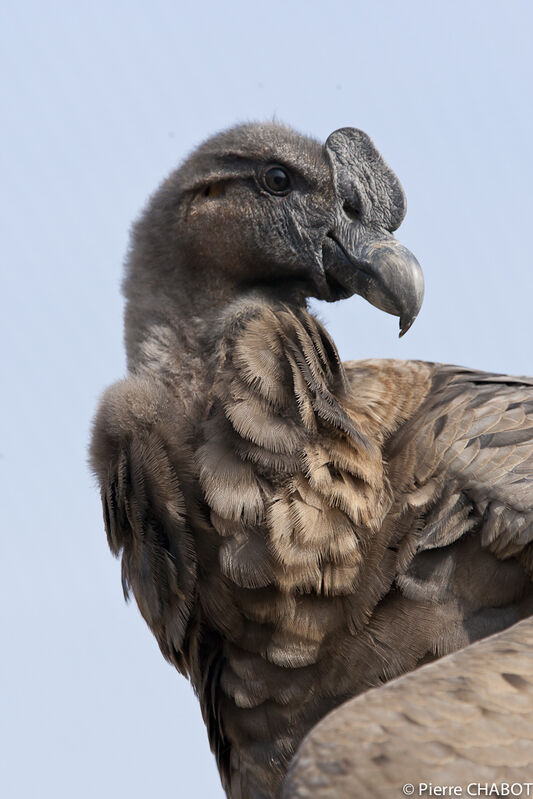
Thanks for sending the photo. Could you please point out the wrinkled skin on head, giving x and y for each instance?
(216, 224)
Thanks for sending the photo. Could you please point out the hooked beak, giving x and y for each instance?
(359, 254)
(379, 269)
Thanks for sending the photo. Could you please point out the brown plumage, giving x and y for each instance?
(296, 530)
(464, 721)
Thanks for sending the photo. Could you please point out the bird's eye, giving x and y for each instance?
(277, 180)
(214, 190)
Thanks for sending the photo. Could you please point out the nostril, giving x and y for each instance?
(351, 210)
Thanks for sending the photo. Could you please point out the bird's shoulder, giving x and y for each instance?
(464, 462)
(141, 457)
(472, 425)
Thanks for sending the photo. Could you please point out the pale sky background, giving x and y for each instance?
(100, 100)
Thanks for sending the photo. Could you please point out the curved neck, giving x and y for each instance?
(182, 313)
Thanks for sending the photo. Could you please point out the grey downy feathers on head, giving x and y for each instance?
(295, 530)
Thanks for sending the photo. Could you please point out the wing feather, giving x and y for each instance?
(135, 457)
(465, 719)
(474, 432)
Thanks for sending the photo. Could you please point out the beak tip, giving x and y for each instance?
(405, 325)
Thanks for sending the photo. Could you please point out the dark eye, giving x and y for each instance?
(277, 180)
